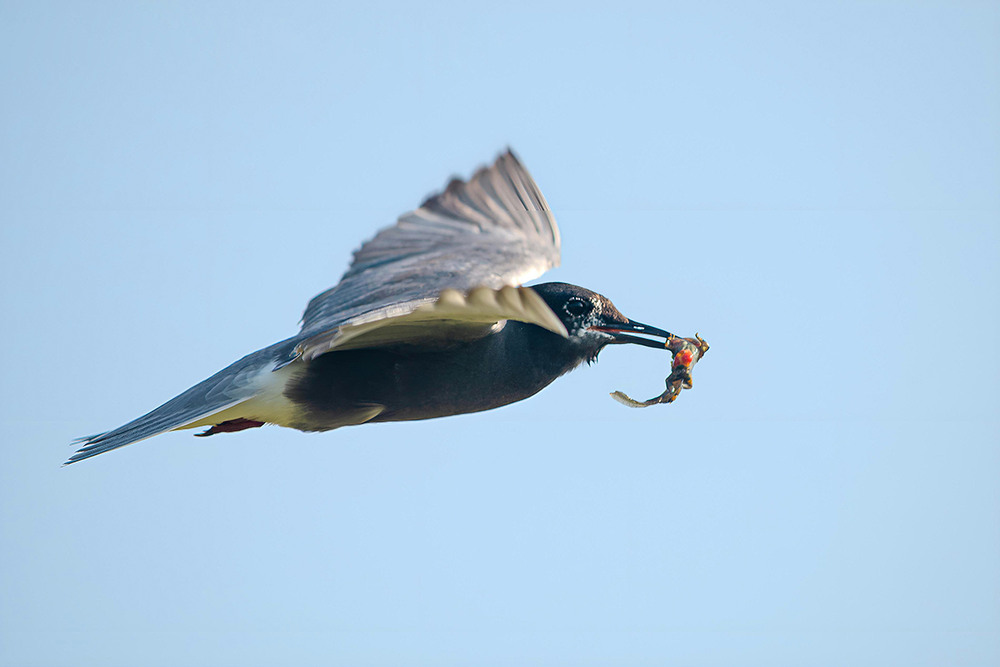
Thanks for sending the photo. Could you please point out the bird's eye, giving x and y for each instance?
(577, 307)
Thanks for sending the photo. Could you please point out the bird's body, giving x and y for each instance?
(427, 322)
(422, 382)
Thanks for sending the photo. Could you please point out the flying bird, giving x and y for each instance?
(431, 319)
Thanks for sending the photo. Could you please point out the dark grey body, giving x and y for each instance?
(422, 382)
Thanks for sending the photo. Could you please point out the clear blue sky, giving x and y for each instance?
(814, 187)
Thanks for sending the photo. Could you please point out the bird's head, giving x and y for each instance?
(592, 321)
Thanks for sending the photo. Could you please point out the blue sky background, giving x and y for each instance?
(814, 187)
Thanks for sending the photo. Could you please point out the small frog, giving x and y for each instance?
(686, 352)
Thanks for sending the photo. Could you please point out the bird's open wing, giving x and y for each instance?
(493, 231)
(453, 316)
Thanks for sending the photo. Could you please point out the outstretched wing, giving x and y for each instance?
(492, 231)
(451, 317)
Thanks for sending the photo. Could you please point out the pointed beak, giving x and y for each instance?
(624, 332)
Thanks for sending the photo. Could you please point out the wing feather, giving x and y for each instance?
(453, 316)
(494, 230)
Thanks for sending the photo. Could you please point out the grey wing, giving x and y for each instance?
(232, 385)
(494, 230)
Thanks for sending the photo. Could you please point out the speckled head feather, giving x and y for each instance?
(585, 314)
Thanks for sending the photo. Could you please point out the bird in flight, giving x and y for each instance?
(430, 320)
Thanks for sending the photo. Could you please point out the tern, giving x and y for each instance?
(431, 319)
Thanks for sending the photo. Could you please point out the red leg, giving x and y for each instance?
(231, 426)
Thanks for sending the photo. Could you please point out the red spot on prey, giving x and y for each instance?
(683, 358)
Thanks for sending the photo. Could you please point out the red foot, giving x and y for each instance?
(231, 426)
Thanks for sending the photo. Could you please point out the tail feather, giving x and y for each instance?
(229, 387)
(158, 421)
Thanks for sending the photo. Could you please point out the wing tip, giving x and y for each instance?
(456, 183)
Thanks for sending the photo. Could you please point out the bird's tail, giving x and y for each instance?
(160, 420)
(227, 388)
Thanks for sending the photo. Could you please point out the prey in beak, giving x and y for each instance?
(686, 353)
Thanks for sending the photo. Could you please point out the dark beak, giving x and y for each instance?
(622, 333)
